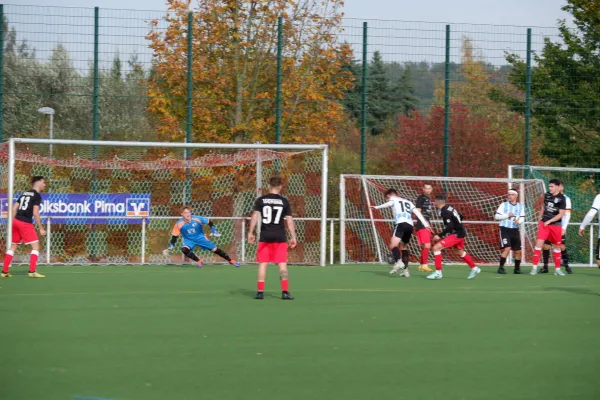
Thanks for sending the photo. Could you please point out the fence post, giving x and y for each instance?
(2, 73)
(96, 77)
(363, 105)
(278, 91)
(528, 103)
(189, 110)
(447, 105)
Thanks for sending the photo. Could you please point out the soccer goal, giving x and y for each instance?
(365, 233)
(581, 185)
(116, 202)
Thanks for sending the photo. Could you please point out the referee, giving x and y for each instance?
(511, 213)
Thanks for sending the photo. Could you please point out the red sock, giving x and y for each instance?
(469, 260)
(261, 286)
(537, 254)
(284, 285)
(7, 260)
(438, 262)
(33, 259)
(556, 256)
(424, 256)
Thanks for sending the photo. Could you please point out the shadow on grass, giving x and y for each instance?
(573, 290)
(251, 293)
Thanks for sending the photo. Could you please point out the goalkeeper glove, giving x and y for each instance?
(214, 231)
(166, 251)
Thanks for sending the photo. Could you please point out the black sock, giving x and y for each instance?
(405, 257)
(221, 253)
(546, 256)
(396, 253)
(502, 262)
(565, 258)
(517, 264)
(192, 256)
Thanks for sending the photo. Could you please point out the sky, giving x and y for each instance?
(498, 12)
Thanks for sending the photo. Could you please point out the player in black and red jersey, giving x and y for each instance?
(25, 210)
(275, 213)
(454, 228)
(550, 227)
(425, 206)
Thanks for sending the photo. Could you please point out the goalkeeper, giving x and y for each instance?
(190, 227)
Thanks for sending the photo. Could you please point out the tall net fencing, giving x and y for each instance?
(581, 185)
(365, 233)
(118, 204)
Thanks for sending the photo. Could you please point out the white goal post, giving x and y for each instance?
(581, 185)
(365, 234)
(110, 202)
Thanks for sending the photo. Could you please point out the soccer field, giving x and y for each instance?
(145, 333)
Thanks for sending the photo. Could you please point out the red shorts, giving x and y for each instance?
(23, 232)
(453, 241)
(551, 233)
(424, 236)
(272, 252)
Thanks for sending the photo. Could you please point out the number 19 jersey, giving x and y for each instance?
(273, 209)
(403, 209)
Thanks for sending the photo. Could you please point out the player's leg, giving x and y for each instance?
(505, 242)
(546, 256)
(279, 254)
(516, 248)
(407, 231)
(16, 239)
(543, 234)
(33, 259)
(460, 245)
(394, 243)
(188, 250)
(565, 256)
(263, 257)
(556, 239)
(212, 247)
(598, 253)
(424, 238)
(8, 259)
(437, 255)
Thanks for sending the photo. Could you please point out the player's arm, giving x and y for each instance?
(417, 212)
(589, 217)
(500, 216)
(253, 223)
(38, 219)
(521, 217)
(384, 205)
(449, 223)
(213, 228)
(15, 209)
(289, 221)
(567, 218)
(561, 214)
(174, 235)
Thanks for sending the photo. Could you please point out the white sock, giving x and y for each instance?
(535, 267)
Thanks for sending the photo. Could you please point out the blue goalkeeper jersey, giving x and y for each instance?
(193, 230)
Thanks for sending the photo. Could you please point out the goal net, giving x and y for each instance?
(365, 233)
(116, 202)
(581, 185)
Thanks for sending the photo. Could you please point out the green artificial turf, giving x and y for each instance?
(178, 333)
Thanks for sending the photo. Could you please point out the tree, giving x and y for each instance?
(234, 71)
(565, 85)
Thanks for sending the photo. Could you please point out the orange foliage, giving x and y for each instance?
(234, 71)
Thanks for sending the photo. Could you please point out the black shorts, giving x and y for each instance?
(598, 250)
(510, 238)
(547, 242)
(403, 231)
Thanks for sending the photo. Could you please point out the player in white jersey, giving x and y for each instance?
(511, 214)
(588, 218)
(563, 247)
(403, 210)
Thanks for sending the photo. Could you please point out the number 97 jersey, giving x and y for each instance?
(273, 209)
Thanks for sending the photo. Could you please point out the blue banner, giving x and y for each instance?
(87, 207)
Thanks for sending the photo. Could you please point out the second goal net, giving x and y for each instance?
(365, 233)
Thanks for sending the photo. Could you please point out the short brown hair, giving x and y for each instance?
(427, 184)
(275, 181)
(185, 208)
